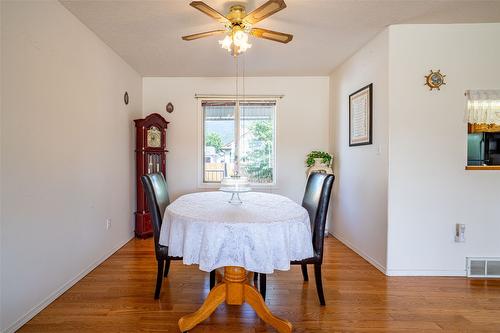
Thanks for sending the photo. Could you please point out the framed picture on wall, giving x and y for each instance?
(360, 116)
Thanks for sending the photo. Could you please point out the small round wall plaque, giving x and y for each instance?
(125, 98)
(170, 107)
(435, 80)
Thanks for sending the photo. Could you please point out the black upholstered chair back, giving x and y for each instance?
(155, 188)
(316, 201)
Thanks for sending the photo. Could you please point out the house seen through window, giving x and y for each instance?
(239, 138)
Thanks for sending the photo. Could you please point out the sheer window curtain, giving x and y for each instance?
(483, 106)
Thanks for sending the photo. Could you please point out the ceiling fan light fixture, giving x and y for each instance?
(236, 42)
(240, 37)
(226, 43)
(240, 41)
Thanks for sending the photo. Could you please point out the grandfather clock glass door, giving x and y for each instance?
(154, 163)
(151, 151)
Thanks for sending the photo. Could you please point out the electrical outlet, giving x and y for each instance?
(460, 233)
(108, 224)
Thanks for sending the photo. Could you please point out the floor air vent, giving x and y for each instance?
(483, 267)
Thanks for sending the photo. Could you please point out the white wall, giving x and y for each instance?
(429, 189)
(67, 154)
(302, 124)
(359, 205)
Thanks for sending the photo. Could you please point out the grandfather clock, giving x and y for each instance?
(151, 151)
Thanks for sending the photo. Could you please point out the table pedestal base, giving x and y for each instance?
(234, 289)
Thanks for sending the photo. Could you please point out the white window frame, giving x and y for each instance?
(201, 136)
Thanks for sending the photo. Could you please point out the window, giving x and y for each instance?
(483, 140)
(240, 136)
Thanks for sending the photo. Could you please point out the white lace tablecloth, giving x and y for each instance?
(262, 234)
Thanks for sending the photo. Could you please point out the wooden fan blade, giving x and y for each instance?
(271, 35)
(203, 34)
(266, 10)
(204, 8)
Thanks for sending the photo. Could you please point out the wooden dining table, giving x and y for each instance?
(262, 234)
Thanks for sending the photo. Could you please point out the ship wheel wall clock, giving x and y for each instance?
(434, 80)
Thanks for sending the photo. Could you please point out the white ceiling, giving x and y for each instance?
(147, 34)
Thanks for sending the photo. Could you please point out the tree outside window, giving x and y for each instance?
(239, 135)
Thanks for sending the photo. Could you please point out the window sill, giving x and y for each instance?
(482, 167)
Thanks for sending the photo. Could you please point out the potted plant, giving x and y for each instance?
(318, 157)
(319, 161)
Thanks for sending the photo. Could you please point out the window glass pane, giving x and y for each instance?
(219, 134)
(257, 140)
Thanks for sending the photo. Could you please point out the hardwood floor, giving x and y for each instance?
(118, 297)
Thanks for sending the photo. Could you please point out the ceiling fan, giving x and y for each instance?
(238, 25)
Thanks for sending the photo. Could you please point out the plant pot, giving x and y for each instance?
(319, 166)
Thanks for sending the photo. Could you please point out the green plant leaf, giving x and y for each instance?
(325, 157)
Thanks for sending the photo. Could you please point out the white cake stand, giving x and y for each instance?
(235, 197)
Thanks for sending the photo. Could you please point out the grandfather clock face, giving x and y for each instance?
(153, 137)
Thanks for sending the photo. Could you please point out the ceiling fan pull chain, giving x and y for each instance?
(243, 77)
(242, 110)
(236, 65)
(236, 116)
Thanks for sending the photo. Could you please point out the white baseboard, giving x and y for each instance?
(37, 308)
(400, 272)
(371, 260)
(403, 272)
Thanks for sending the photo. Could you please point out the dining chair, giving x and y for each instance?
(316, 201)
(155, 187)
